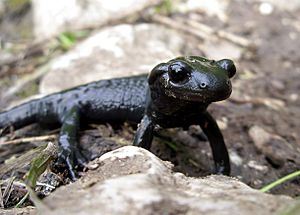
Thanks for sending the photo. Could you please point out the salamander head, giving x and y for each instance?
(193, 78)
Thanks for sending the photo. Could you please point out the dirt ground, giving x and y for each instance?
(265, 95)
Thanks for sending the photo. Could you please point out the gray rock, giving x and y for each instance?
(292, 6)
(210, 8)
(274, 147)
(131, 180)
(17, 211)
(121, 50)
(221, 49)
(53, 17)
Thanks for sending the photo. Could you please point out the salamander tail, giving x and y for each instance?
(18, 116)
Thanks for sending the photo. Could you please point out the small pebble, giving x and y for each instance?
(254, 165)
(273, 146)
(93, 166)
(293, 35)
(222, 123)
(235, 158)
(266, 8)
(279, 85)
(294, 97)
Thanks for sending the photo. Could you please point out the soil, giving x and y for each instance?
(270, 76)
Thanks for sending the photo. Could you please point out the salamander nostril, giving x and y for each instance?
(203, 85)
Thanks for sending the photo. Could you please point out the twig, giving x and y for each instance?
(33, 50)
(25, 60)
(45, 185)
(208, 31)
(8, 189)
(220, 33)
(22, 200)
(175, 25)
(274, 104)
(30, 139)
(235, 39)
(201, 30)
(24, 81)
(1, 198)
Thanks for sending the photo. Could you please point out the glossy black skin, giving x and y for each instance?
(175, 94)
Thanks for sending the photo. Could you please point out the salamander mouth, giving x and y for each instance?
(203, 96)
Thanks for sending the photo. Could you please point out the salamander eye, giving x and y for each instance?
(178, 72)
(227, 65)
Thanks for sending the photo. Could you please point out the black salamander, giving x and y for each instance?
(175, 94)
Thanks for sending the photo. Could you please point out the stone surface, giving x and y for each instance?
(17, 211)
(132, 180)
(293, 5)
(221, 49)
(122, 50)
(211, 8)
(274, 147)
(53, 17)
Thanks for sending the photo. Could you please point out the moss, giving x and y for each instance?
(16, 5)
(166, 7)
(29, 90)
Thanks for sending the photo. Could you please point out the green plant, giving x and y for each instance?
(280, 181)
(68, 39)
(166, 7)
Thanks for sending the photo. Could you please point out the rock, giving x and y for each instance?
(131, 180)
(17, 211)
(274, 147)
(211, 8)
(255, 165)
(292, 6)
(219, 49)
(235, 158)
(122, 50)
(222, 123)
(54, 17)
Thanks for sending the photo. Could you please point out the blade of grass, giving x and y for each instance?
(40, 163)
(19, 204)
(67, 40)
(280, 181)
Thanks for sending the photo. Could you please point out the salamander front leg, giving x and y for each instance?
(69, 154)
(216, 140)
(144, 133)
